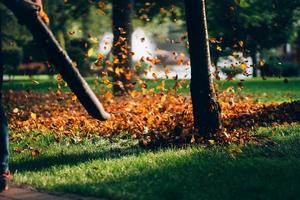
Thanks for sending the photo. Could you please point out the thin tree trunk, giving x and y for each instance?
(122, 30)
(298, 48)
(28, 15)
(254, 64)
(206, 108)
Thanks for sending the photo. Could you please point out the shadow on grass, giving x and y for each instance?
(200, 176)
(259, 172)
(71, 159)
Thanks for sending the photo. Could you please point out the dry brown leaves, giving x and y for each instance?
(155, 119)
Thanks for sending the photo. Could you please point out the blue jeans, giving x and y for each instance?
(4, 140)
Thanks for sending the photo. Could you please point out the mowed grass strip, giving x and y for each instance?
(269, 90)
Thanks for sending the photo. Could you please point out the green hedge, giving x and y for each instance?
(232, 71)
(278, 68)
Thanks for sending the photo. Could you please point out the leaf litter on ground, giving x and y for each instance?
(155, 119)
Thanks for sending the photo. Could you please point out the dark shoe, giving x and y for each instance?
(4, 180)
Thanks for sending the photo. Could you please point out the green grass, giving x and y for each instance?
(116, 168)
(272, 89)
(36, 83)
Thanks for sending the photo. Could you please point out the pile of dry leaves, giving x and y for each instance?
(154, 118)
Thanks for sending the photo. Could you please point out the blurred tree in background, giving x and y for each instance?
(250, 26)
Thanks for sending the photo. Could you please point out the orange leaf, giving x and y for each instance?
(35, 153)
(154, 75)
(33, 115)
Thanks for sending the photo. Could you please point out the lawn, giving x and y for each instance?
(272, 89)
(117, 168)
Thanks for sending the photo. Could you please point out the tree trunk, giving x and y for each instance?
(254, 60)
(28, 15)
(122, 30)
(206, 108)
(297, 53)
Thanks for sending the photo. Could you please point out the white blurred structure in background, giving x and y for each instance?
(144, 46)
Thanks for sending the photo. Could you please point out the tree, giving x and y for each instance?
(65, 13)
(122, 31)
(12, 34)
(148, 9)
(206, 109)
(251, 26)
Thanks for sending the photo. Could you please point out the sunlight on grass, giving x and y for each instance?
(119, 169)
(270, 90)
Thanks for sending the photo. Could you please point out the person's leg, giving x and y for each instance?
(4, 171)
(4, 152)
(3, 142)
